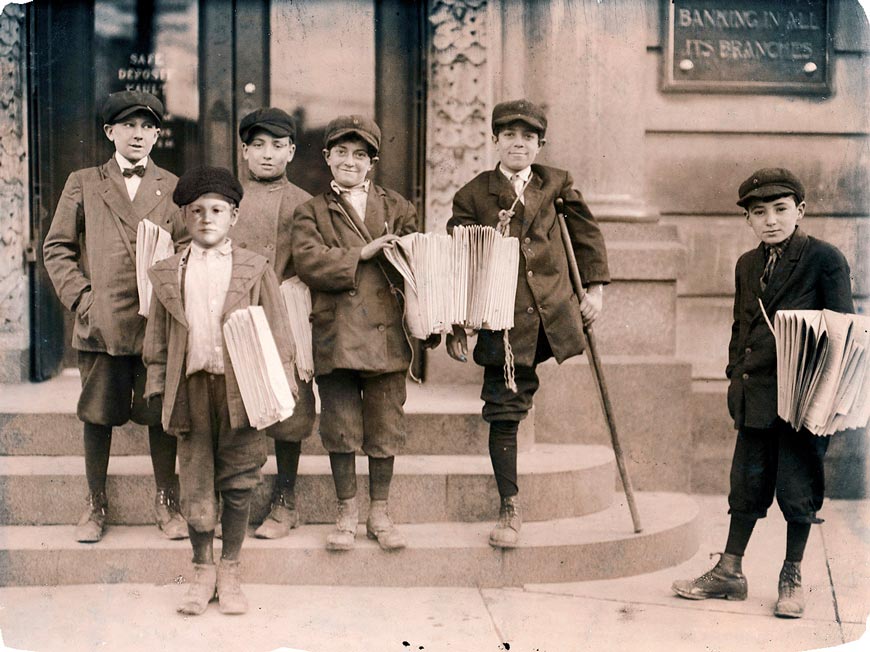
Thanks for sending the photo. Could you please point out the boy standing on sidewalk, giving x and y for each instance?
(264, 227)
(788, 270)
(90, 255)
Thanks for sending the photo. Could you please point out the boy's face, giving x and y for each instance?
(209, 218)
(134, 136)
(349, 162)
(775, 220)
(517, 145)
(268, 155)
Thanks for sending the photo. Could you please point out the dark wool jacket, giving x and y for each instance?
(811, 275)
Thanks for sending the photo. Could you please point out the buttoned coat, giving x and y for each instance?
(90, 252)
(810, 275)
(357, 314)
(252, 283)
(544, 291)
(266, 220)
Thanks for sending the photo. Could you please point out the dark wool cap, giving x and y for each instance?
(124, 103)
(277, 122)
(519, 110)
(770, 182)
(197, 182)
(364, 127)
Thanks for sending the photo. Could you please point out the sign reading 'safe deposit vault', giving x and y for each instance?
(748, 46)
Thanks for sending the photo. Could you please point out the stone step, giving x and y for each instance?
(596, 546)
(39, 419)
(556, 480)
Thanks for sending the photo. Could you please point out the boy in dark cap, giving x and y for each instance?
(90, 256)
(195, 291)
(789, 270)
(265, 221)
(361, 353)
(519, 197)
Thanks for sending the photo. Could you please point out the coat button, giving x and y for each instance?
(745, 376)
(748, 350)
(530, 273)
(530, 310)
(352, 293)
(381, 327)
(527, 240)
(268, 246)
(243, 245)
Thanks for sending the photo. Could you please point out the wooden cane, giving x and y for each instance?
(597, 371)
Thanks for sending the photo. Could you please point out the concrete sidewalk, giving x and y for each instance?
(634, 613)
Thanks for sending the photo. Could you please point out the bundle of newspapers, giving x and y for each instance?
(468, 278)
(153, 243)
(297, 298)
(262, 381)
(823, 369)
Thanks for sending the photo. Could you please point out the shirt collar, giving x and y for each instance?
(223, 249)
(339, 189)
(124, 164)
(780, 247)
(525, 174)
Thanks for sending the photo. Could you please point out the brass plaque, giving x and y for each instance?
(747, 46)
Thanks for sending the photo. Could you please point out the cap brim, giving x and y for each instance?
(770, 190)
(350, 130)
(140, 108)
(518, 117)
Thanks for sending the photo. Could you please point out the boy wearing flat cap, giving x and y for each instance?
(90, 256)
(361, 353)
(788, 270)
(548, 316)
(265, 219)
(195, 291)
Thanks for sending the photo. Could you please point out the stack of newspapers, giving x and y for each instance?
(823, 369)
(468, 278)
(262, 381)
(297, 298)
(153, 243)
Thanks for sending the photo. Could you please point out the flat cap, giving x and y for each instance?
(364, 127)
(770, 182)
(202, 180)
(118, 106)
(277, 122)
(519, 110)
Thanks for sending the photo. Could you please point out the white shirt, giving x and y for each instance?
(357, 196)
(134, 181)
(518, 179)
(205, 290)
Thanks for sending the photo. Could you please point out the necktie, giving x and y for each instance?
(518, 184)
(774, 252)
(138, 170)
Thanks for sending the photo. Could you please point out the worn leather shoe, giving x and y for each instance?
(92, 523)
(169, 519)
(506, 533)
(282, 517)
(380, 526)
(342, 537)
(791, 594)
(229, 589)
(725, 580)
(201, 590)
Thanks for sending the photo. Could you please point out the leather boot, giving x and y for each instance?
(506, 532)
(725, 580)
(342, 537)
(791, 594)
(380, 526)
(282, 517)
(169, 519)
(92, 524)
(201, 590)
(229, 588)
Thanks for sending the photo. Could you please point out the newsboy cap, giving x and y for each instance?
(519, 110)
(770, 182)
(364, 127)
(118, 106)
(277, 122)
(199, 181)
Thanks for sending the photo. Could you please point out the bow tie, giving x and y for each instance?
(138, 170)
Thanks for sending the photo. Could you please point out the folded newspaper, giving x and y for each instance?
(823, 369)
(261, 377)
(153, 244)
(468, 278)
(297, 299)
